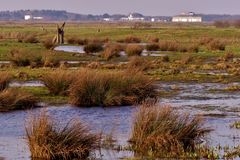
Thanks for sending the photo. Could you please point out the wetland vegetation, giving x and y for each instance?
(195, 68)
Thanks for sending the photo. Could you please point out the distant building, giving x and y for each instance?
(131, 17)
(30, 17)
(27, 17)
(187, 17)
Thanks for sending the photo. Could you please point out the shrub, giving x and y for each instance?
(82, 41)
(5, 79)
(222, 24)
(48, 140)
(72, 40)
(152, 47)
(134, 50)
(110, 89)
(163, 132)
(14, 99)
(112, 51)
(93, 48)
(58, 82)
(217, 45)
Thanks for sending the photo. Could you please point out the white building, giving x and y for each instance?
(187, 17)
(132, 18)
(29, 17)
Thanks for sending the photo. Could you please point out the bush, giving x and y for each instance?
(79, 41)
(222, 24)
(217, 45)
(163, 132)
(152, 47)
(58, 82)
(110, 89)
(93, 48)
(134, 50)
(14, 99)
(47, 140)
(5, 79)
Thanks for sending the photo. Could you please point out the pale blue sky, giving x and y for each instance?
(147, 7)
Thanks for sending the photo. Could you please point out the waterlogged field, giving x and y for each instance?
(102, 75)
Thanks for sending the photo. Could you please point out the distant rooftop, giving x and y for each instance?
(187, 14)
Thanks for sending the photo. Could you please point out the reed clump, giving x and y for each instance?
(130, 39)
(20, 57)
(217, 45)
(152, 47)
(134, 50)
(48, 140)
(48, 44)
(138, 63)
(15, 99)
(112, 51)
(93, 48)
(5, 79)
(58, 82)
(94, 88)
(162, 132)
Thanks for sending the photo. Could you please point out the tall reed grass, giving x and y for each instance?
(49, 140)
(15, 99)
(134, 50)
(5, 79)
(94, 88)
(163, 132)
(58, 82)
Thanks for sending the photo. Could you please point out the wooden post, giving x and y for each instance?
(59, 38)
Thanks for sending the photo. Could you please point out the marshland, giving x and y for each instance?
(114, 91)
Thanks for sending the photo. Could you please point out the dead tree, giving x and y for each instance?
(59, 38)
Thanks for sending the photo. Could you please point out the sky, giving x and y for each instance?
(146, 7)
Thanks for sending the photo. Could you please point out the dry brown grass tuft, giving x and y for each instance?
(110, 89)
(15, 99)
(20, 57)
(138, 63)
(163, 132)
(111, 51)
(48, 44)
(5, 79)
(134, 50)
(152, 47)
(93, 48)
(48, 140)
(217, 45)
(58, 82)
(130, 39)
